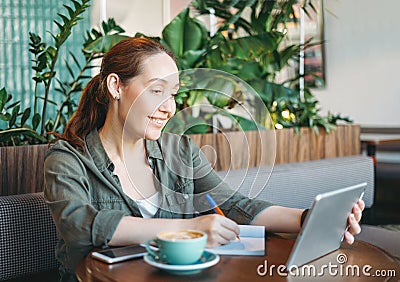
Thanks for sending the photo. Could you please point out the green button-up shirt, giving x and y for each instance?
(87, 201)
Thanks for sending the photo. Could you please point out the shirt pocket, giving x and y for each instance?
(180, 200)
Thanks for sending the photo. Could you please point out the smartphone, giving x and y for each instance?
(119, 254)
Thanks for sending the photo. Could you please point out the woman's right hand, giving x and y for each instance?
(220, 230)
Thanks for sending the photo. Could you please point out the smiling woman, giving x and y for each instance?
(113, 156)
(147, 101)
(119, 74)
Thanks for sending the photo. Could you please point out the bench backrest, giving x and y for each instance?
(296, 184)
(27, 236)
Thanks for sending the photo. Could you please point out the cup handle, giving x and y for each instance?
(150, 251)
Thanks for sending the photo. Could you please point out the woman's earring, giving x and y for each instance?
(116, 97)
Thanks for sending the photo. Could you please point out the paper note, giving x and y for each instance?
(251, 243)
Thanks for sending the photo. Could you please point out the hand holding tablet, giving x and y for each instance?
(325, 224)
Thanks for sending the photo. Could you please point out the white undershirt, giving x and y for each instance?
(148, 207)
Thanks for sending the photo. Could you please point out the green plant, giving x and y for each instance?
(18, 126)
(190, 42)
(251, 48)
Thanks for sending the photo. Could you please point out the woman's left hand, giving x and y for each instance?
(353, 222)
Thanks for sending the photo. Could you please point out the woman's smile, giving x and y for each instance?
(158, 122)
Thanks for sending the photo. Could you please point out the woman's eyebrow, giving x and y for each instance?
(164, 81)
(157, 79)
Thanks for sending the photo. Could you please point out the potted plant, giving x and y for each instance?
(251, 48)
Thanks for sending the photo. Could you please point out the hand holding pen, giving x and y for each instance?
(215, 207)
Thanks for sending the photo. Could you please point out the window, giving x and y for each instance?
(17, 19)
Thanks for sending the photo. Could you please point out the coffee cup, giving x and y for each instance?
(177, 247)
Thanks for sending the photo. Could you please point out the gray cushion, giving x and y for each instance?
(297, 184)
(27, 236)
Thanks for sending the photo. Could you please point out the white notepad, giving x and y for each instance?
(251, 243)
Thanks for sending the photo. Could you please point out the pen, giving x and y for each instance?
(215, 207)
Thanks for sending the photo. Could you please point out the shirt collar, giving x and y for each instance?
(153, 149)
(100, 157)
(97, 151)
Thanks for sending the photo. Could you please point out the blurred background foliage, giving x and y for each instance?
(248, 43)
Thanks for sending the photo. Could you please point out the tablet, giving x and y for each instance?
(325, 224)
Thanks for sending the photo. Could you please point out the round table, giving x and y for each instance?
(358, 262)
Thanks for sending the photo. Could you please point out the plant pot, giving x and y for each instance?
(22, 169)
(291, 147)
(237, 150)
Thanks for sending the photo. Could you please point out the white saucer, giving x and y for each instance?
(207, 259)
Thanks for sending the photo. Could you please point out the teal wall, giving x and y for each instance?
(17, 19)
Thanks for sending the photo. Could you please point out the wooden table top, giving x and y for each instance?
(340, 265)
(378, 139)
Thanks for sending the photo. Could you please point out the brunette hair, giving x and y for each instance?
(124, 59)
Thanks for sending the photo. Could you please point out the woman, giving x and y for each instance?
(113, 179)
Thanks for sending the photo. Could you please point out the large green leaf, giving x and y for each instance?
(103, 44)
(223, 10)
(220, 91)
(270, 92)
(185, 123)
(184, 33)
(8, 134)
(254, 45)
(246, 124)
(3, 98)
(189, 58)
(195, 97)
(25, 116)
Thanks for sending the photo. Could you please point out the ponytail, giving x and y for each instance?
(90, 114)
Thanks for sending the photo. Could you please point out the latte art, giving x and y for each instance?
(184, 246)
(180, 235)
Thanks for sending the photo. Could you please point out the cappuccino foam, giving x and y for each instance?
(181, 235)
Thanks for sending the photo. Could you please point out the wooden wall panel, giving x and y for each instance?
(21, 168)
(239, 152)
